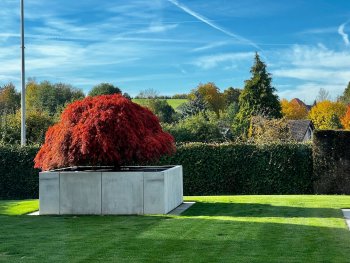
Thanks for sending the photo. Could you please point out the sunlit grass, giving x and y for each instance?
(215, 229)
(175, 103)
(16, 207)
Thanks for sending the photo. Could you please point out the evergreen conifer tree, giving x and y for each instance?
(345, 98)
(257, 97)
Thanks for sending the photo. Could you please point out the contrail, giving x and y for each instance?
(213, 25)
(343, 34)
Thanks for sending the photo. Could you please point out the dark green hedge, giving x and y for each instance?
(331, 155)
(220, 169)
(18, 178)
(209, 169)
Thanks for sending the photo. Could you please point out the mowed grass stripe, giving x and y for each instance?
(215, 229)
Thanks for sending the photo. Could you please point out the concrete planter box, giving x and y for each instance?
(139, 190)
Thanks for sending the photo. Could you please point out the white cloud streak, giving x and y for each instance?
(317, 31)
(342, 33)
(208, 62)
(214, 25)
(209, 46)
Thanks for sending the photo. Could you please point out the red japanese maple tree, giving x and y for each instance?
(104, 130)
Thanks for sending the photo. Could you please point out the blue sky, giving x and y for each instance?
(173, 45)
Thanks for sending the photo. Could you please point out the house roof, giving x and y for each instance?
(301, 103)
(298, 128)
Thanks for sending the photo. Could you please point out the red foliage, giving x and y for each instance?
(104, 130)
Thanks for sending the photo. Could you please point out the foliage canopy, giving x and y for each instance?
(211, 95)
(293, 110)
(326, 115)
(345, 98)
(104, 130)
(345, 120)
(49, 97)
(10, 99)
(104, 89)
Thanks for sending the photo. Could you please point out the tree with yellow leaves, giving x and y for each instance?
(345, 120)
(9, 99)
(326, 115)
(211, 95)
(294, 109)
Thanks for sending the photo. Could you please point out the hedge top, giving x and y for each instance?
(104, 130)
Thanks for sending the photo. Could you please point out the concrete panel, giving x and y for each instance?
(49, 196)
(173, 188)
(111, 192)
(122, 193)
(153, 197)
(80, 193)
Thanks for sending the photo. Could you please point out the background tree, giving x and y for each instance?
(323, 95)
(211, 95)
(180, 96)
(257, 97)
(104, 89)
(327, 115)
(264, 130)
(230, 113)
(126, 95)
(345, 120)
(345, 98)
(231, 95)
(196, 104)
(202, 127)
(36, 122)
(147, 94)
(49, 97)
(10, 99)
(162, 109)
(293, 110)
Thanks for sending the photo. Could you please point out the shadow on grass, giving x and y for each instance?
(259, 210)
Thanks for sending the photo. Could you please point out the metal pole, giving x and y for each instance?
(23, 93)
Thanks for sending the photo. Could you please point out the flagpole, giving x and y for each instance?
(23, 93)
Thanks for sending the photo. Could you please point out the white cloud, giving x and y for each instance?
(214, 25)
(312, 68)
(159, 27)
(210, 46)
(313, 56)
(323, 30)
(151, 29)
(342, 33)
(308, 91)
(313, 63)
(309, 74)
(208, 62)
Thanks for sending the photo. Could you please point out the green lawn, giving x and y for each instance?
(172, 102)
(215, 229)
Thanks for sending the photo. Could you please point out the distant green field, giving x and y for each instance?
(172, 102)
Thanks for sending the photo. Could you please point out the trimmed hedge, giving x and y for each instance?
(209, 169)
(18, 178)
(220, 169)
(331, 155)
